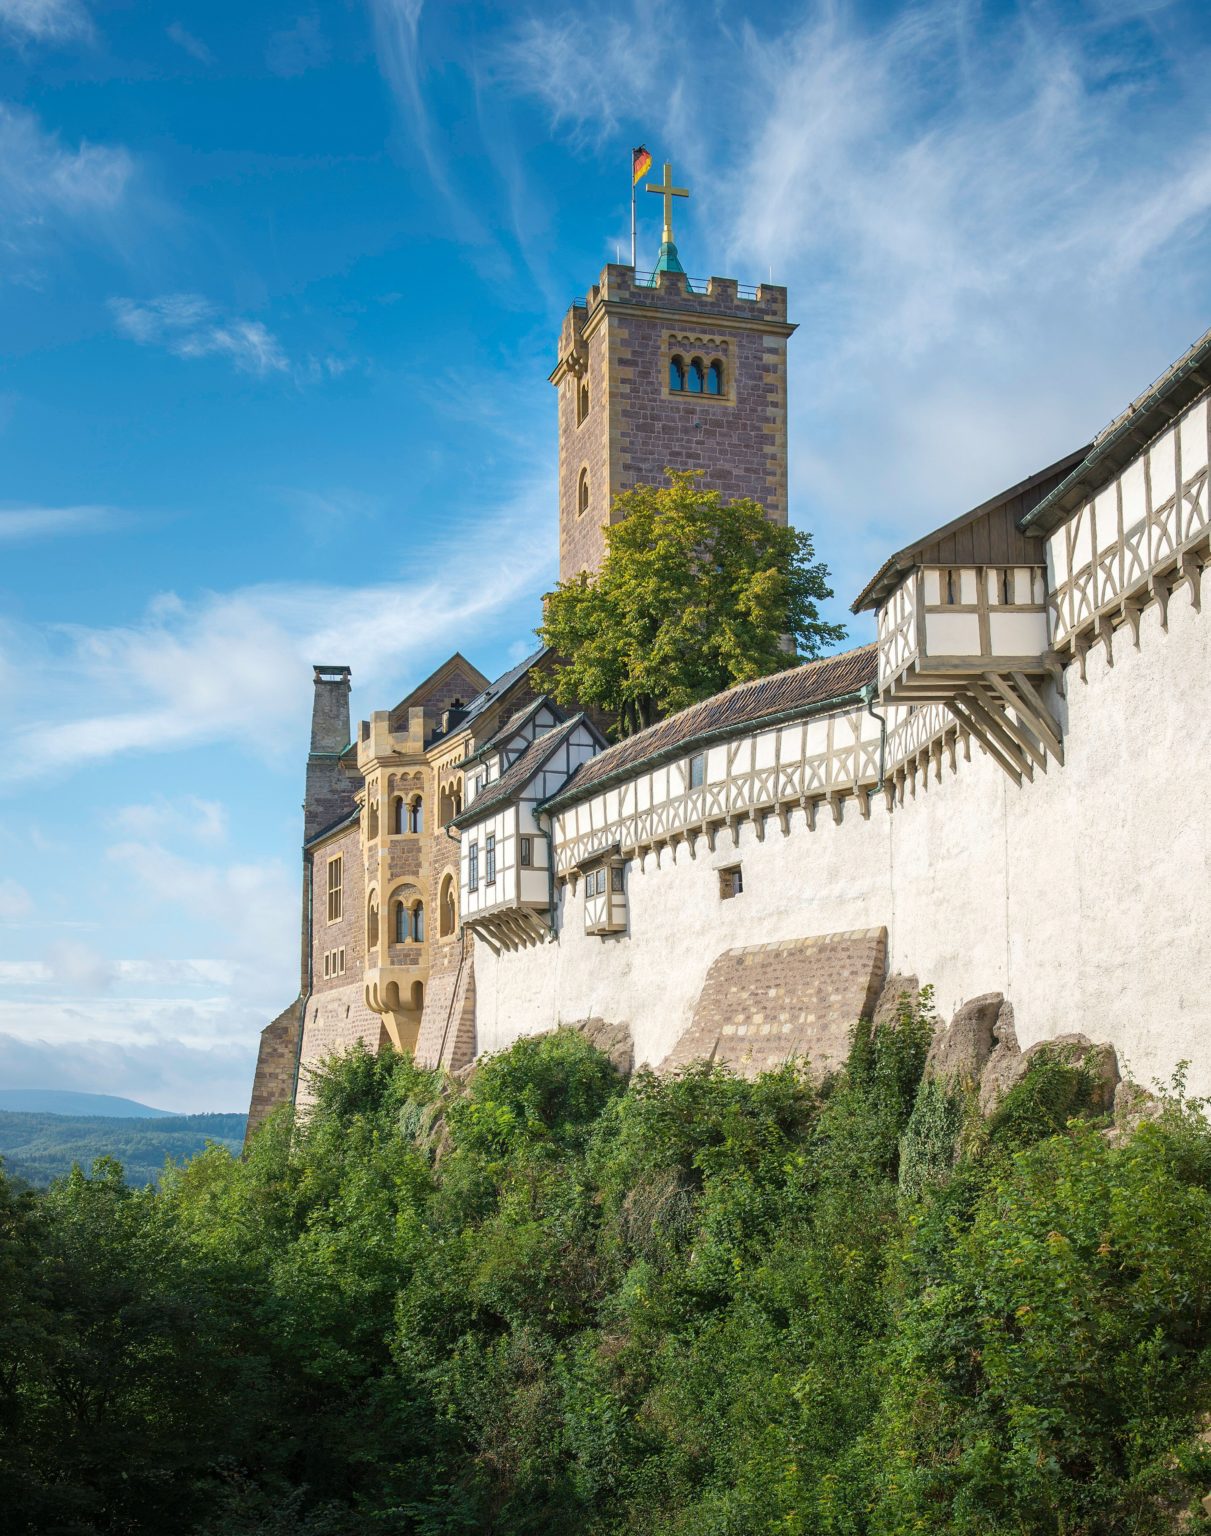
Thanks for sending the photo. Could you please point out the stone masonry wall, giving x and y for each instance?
(274, 1080)
(764, 1003)
(636, 428)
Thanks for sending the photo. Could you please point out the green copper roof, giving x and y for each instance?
(667, 261)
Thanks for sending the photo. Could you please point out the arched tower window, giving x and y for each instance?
(372, 819)
(397, 814)
(372, 923)
(582, 401)
(677, 374)
(416, 813)
(582, 493)
(697, 377)
(447, 912)
(417, 996)
(714, 377)
(418, 922)
(399, 921)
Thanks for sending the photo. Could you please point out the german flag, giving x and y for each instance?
(641, 164)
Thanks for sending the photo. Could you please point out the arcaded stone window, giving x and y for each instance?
(397, 814)
(334, 888)
(447, 910)
(418, 922)
(582, 401)
(400, 922)
(697, 379)
(714, 378)
(582, 493)
(677, 374)
(416, 813)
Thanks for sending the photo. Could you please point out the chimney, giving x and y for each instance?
(330, 790)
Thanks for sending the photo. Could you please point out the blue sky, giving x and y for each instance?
(279, 289)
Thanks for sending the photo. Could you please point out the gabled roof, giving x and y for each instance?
(789, 695)
(1120, 441)
(512, 725)
(523, 768)
(419, 694)
(988, 533)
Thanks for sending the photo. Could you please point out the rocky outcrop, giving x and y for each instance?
(958, 1055)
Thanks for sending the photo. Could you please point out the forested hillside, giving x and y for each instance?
(550, 1303)
(40, 1147)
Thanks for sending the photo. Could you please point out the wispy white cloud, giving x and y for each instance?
(18, 524)
(188, 325)
(51, 1045)
(15, 901)
(234, 667)
(194, 46)
(53, 21)
(188, 817)
(41, 178)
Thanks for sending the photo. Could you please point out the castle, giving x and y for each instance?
(999, 793)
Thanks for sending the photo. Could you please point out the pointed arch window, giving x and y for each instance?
(677, 374)
(582, 493)
(582, 401)
(697, 378)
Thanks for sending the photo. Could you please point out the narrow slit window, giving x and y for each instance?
(490, 859)
(473, 867)
(334, 889)
(526, 854)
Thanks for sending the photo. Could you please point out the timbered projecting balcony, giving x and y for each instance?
(975, 639)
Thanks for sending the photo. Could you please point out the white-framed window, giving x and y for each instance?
(697, 770)
(340, 961)
(335, 880)
(473, 867)
(490, 859)
(616, 878)
(327, 962)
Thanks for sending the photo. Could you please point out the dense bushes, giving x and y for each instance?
(555, 1303)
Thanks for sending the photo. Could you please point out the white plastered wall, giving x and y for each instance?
(1082, 896)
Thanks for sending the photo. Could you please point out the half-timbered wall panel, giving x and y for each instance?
(1140, 529)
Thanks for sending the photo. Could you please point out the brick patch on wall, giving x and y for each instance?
(765, 1003)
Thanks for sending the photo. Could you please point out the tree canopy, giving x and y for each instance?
(695, 593)
(548, 1302)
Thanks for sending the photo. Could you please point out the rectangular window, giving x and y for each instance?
(490, 859)
(527, 852)
(697, 769)
(340, 962)
(616, 878)
(731, 882)
(473, 867)
(327, 962)
(334, 889)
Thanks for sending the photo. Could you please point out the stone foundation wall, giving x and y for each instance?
(274, 1080)
(764, 1003)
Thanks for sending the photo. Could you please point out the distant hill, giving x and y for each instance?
(58, 1101)
(37, 1148)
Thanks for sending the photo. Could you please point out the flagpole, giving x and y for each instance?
(632, 210)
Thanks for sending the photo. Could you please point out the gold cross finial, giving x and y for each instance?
(668, 191)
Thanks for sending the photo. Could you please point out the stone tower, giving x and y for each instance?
(329, 790)
(660, 373)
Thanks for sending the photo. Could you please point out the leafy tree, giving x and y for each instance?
(695, 594)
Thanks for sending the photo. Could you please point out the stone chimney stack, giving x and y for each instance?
(330, 790)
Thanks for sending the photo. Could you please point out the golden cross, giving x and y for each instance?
(668, 191)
